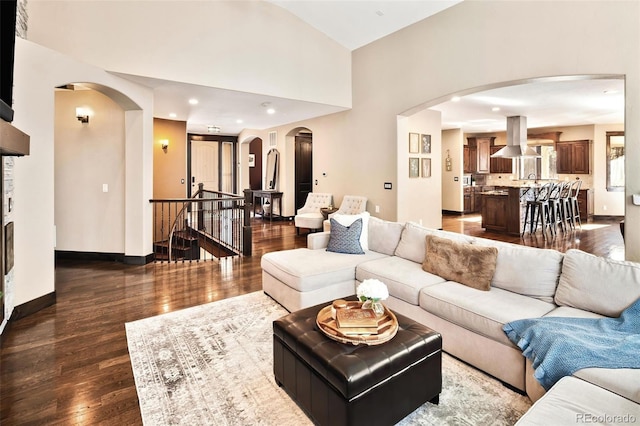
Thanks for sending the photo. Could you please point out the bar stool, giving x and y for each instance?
(559, 203)
(571, 207)
(552, 207)
(537, 211)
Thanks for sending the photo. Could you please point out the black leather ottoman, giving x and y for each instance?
(344, 384)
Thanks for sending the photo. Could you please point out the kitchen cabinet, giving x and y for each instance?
(470, 159)
(572, 157)
(585, 204)
(477, 155)
(500, 165)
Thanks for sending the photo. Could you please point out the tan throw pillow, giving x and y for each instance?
(467, 264)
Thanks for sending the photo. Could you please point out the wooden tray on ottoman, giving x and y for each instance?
(387, 327)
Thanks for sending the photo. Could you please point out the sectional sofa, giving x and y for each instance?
(469, 306)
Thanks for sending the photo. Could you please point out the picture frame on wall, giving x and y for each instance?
(426, 144)
(252, 160)
(414, 167)
(414, 143)
(426, 167)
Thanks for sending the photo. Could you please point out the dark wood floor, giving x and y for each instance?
(69, 365)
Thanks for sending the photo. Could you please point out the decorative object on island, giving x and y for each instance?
(371, 292)
(414, 143)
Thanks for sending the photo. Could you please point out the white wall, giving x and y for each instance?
(249, 46)
(87, 156)
(37, 71)
(420, 198)
(452, 197)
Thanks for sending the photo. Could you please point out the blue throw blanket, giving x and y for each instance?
(559, 346)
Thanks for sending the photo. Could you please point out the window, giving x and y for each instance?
(615, 161)
(543, 167)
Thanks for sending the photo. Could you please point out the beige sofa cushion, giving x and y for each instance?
(596, 284)
(403, 278)
(573, 401)
(483, 312)
(306, 270)
(411, 245)
(384, 236)
(528, 271)
(467, 264)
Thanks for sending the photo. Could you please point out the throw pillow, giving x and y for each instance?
(384, 236)
(348, 219)
(345, 239)
(467, 264)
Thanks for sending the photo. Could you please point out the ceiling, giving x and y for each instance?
(357, 23)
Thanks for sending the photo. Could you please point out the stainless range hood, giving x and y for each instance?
(516, 140)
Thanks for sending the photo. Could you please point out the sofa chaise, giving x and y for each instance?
(523, 282)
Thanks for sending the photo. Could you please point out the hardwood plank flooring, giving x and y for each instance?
(68, 364)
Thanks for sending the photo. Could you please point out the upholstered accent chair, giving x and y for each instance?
(309, 216)
(351, 204)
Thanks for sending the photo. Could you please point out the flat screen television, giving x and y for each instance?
(7, 50)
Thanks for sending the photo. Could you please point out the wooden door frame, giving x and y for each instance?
(296, 183)
(213, 138)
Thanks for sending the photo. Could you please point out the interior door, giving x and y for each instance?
(304, 168)
(204, 165)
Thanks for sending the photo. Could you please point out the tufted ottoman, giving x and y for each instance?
(343, 384)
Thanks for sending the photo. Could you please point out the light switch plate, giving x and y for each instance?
(636, 199)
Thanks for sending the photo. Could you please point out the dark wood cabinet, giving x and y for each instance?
(494, 212)
(477, 155)
(572, 157)
(500, 165)
(585, 204)
(470, 159)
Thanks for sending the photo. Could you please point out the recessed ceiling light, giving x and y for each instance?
(271, 111)
(494, 109)
(239, 121)
(455, 99)
(193, 101)
(610, 92)
(173, 115)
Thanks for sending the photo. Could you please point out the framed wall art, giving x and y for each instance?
(414, 143)
(252, 160)
(426, 167)
(426, 144)
(414, 167)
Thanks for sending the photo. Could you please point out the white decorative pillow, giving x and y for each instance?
(592, 283)
(384, 236)
(348, 219)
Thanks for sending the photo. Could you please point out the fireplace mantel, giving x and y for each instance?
(12, 140)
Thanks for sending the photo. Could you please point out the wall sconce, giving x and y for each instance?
(82, 115)
(165, 144)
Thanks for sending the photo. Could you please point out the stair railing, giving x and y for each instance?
(210, 225)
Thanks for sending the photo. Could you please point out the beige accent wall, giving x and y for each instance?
(170, 165)
(451, 189)
(250, 46)
(87, 157)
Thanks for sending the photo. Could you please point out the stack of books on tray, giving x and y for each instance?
(357, 322)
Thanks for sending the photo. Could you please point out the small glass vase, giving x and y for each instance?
(375, 305)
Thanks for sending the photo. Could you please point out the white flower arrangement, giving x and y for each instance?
(374, 290)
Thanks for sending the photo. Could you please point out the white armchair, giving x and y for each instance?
(309, 216)
(351, 204)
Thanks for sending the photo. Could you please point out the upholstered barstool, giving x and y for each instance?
(572, 208)
(538, 211)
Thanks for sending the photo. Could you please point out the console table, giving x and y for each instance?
(270, 196)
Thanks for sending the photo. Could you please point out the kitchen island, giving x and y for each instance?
(501, 210)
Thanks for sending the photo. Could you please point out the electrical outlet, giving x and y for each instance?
(377, 209)
(604, 207)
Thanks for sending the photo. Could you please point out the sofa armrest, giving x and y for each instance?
(318, 240)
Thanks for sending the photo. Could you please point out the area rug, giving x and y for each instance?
(212, 365)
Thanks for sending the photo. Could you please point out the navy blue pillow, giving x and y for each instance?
(345, 239)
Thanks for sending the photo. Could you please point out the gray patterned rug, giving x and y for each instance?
(212, 365)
